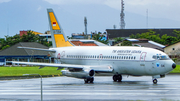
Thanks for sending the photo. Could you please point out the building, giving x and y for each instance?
(47, 34)
(19, 54)
(114, 33)
(21, 33)
(144, 43)
(173, 50)
(85, 42)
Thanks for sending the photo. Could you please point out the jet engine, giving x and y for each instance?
(86, 74)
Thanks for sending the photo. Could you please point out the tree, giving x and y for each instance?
(164, 39)
(100, 38)
(9, 41)
(177, 33)
(118, 39)
(30, 37)
(126, 43)
(5, 47)
(43, 40)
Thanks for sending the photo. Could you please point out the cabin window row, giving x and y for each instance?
(101, 57)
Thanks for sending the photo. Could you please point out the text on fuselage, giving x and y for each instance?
(126, 51)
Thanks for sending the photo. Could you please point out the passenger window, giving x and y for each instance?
(131, 57)
(126, 57)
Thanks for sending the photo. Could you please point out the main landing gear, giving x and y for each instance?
(91, 80)
(117, 78)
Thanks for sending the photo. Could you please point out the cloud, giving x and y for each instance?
(1, 1)
(156, 8)
(69, 2)
(39, 8)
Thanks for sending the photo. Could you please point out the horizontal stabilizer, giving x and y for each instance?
(39, 49)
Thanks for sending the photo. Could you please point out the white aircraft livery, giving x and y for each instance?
(85, 61)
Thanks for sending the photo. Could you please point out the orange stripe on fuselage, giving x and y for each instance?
(60, 41)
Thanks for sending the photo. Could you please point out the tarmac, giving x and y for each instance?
(103, 89)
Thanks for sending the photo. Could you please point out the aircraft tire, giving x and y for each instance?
(115, 78)
(155, 81)
(86, 80)
(92, 80)
(119, 78)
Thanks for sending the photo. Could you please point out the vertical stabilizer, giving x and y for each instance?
(59, 39)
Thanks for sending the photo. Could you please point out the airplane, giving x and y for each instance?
(84, 62)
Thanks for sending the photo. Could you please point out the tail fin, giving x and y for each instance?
(59, 39)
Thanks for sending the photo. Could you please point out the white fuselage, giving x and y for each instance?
(135, 61)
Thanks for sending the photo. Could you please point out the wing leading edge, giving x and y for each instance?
(100, 69)
(38, 49)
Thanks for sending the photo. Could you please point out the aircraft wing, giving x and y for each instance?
(98, 69)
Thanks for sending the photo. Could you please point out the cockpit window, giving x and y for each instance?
(161, 57)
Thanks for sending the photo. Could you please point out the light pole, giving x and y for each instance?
(41, 83)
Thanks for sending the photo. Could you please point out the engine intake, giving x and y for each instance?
(91, 72)
(83, 74)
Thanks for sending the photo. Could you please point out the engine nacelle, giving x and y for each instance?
(83, 74)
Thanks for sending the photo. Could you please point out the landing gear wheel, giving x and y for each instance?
(86, 80)
(155, 81)
(119, 78)
(91, 80)
(115, 78)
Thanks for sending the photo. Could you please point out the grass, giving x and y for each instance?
(19, 71)
(176, 70)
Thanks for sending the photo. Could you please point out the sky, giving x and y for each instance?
(17, 15)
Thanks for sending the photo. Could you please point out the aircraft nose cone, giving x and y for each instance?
(173, 65)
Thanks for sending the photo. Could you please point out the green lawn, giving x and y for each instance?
(19, 71)
(176, 70)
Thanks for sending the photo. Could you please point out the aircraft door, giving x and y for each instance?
(142, 60)
(143, 57)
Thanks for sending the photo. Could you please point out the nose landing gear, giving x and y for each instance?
(155, 81)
